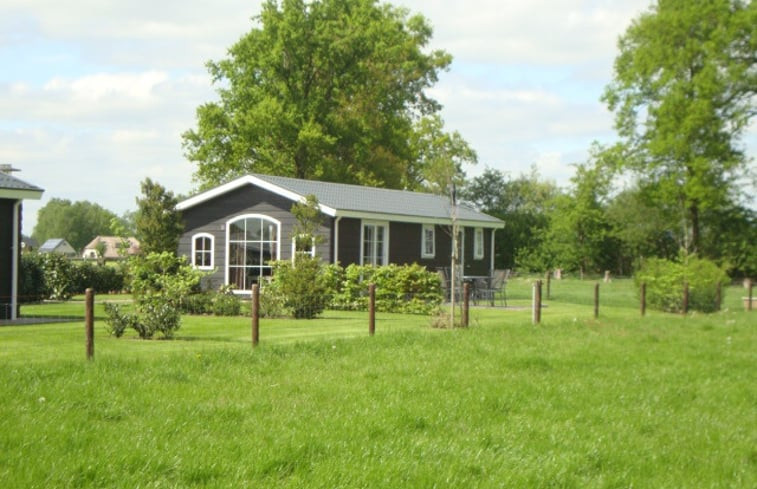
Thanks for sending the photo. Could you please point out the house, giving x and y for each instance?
(111, 247)
(12, 192)
(28, 244)
(58, 245)
(236, 229)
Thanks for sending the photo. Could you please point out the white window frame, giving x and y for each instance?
(195, 237)
(424, 241)
(479, 250)
(384, 251)
(228, 242)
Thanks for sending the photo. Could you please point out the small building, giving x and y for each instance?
(113, 247)
(28, 244)
(12, 193)
(236, 229)
(58, 245)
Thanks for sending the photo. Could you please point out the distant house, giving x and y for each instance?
(236, 229)
(12, 192)
(28, 244)
(111, 246)
(58, 245)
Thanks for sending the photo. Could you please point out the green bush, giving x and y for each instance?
(101, 278)
(665, 283)
(303, 286)
(225, 303)
(58, 276)
(399, 288)
(160, 282)
(31, 278)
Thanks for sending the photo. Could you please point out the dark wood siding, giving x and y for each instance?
(349, 241)
(405, 243)
(476, 266)
(211, 217)
(6, 256)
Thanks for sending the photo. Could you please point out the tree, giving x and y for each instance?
(521, 202)
(76, 222)
(683, 93)
(158, 223)
(323, 89)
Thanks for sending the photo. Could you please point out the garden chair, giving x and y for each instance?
(495, 288)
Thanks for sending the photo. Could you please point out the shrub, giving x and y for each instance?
(665, 279)
(160, 283)
(31, 278)
(302, 286)
(225, 303)
(101, 278)
(58, 276)
(118, 322)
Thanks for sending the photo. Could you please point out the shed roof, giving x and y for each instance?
(339, 199)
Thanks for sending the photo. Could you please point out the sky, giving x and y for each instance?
(94, 94)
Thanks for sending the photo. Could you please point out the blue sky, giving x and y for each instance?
(95, 94)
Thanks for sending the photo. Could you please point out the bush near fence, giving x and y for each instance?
(665, 281)
(52, 276)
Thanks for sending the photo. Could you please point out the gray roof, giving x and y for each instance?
(52, 244)
(358, 198)
(8, 181)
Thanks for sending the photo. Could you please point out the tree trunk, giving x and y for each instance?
(694, 216)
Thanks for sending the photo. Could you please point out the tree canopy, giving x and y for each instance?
(683, 92)
(77, 222)
(157, 221)
(325, 89)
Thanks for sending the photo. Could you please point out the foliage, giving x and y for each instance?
(118, 321)
(326, 90)
(309, 221)
(683, 96)
(159, 282)
(76, 222)
(302, 286)
(157, 221)
(57, 272)
(221, 302)
(100, 278)
(31, 278)
(399, 288)
(522, 203)
(665, 281)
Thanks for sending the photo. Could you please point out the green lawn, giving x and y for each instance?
(622, 401)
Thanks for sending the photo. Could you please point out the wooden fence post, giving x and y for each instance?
(685, 298)
(466, 304)
(749, 295)
(718, 296)
(536, 315)
(255, 315)
(371, 309)
(89, 322)
(643, 298)
(596, 300)
(548, 279)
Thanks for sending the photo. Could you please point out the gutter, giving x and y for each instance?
(14, 261)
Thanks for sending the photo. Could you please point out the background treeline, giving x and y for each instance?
(592, 225)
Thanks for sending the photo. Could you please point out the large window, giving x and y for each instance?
(202, 251)
(375, 243)
(428, 247)
(478, 244)
(253, 241)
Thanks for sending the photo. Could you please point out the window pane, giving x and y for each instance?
(254, 227)
(253, 254)
(236, 253)
(236, 277)
(269, 231)
(236, 231)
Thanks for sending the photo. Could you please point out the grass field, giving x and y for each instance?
(663, 401)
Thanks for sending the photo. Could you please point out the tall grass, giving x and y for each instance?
(623, 401)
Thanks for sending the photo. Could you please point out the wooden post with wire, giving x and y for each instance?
(89, 322)
(596, 300)
(371, 309)
(685, 298)
(255, 315)
(643, 298)
(466, 304)
(536, 314)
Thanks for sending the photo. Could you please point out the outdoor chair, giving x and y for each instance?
(494, 289)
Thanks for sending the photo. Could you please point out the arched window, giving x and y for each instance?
(252, 243)
(202, 251)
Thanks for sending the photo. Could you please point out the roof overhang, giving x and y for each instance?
(20, 194)
(378, 216)
(241, 182)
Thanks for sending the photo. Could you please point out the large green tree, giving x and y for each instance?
(158, 223)
(77, 222)
(683, 92)
(322, 89)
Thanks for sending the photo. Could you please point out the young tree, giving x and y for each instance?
(683, 93)
(323, 89)
(76, 222)
(158, 223)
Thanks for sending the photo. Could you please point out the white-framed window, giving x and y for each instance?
(428, 241)
(478, 244)
(202, 251)
(252, 242)
(375, 243)
(309, 248)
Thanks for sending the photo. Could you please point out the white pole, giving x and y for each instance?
(14, 266)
